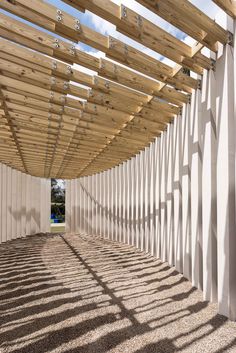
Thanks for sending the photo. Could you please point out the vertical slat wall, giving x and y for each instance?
(25, 204)
(176, 199)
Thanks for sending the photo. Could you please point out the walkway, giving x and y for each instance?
(85, 295)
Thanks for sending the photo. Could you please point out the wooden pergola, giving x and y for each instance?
(57, 121)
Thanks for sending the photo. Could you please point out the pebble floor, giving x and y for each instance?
(77, 294)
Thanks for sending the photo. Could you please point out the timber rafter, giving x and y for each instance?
(60, 121)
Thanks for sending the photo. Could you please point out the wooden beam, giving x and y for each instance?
(229, 6)
(145, 32)
(146, 65)
(14, 136)
(59, 121)
(196, 23)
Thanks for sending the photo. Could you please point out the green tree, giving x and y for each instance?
(58, 199)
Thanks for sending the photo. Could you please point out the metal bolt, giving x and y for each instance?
(69, 70)
(59, 15)
(56, 43)
(77, 25)
(186, 71)
(72, 50)
(123, 11)
(213, 64)
(139, 21)
(53, 80)
(65, 85)
(230, 38)
(54, 65)
(111, 42)
(199, 84)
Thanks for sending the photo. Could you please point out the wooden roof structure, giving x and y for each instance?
(58, 121)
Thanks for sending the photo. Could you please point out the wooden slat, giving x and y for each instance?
(140, 29)
(128, 104)
(44, 91)
(229, 6)
(145, 64)
(104, 67)
(14, 136)
(189, 19)
(45, 81)
(53, 126)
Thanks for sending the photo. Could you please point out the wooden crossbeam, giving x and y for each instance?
(58, 121)
(181, 14)
(229, 6)
(13, 133)
(44, 81)
(107, 69)
(196, 23)
(39, 111)
(122, 139)
(145, 32)
(113, 48)
(92, 81)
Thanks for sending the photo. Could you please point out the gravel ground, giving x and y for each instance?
(82, 294)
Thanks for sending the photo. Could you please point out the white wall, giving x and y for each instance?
(25, 204)
(176, 199)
